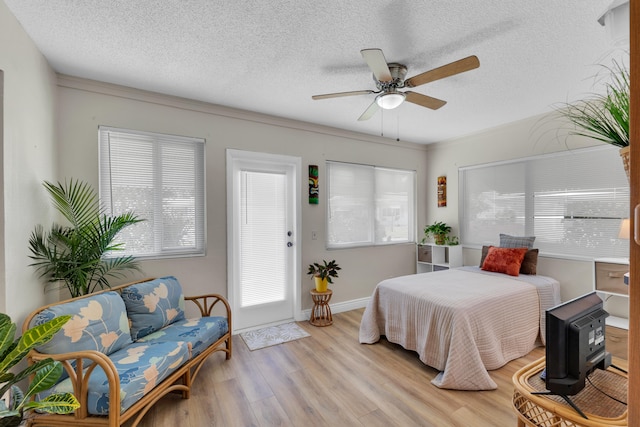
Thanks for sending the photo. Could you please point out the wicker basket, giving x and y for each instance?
(624, 153)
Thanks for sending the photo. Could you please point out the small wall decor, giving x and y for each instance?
(442, 191)
(313, 184)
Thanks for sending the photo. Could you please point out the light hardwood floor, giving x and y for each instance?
(330, 379)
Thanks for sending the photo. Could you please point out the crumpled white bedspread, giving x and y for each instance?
(461, 321)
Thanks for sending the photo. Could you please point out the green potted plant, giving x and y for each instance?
(451, 240)
(604, 116)
(323, 273)
(439, 230)
(76, 254)
(45, 373)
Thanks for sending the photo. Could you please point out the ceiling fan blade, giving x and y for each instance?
(457, 67)
(378, 64)
(424, 100)
(339, 94)
(369, 112)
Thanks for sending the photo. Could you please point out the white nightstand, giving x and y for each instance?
(431, 257)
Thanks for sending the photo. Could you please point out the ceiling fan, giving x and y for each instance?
(389, 77)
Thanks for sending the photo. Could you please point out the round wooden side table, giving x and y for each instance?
(321, 312)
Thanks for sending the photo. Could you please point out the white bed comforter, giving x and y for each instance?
(462, 321)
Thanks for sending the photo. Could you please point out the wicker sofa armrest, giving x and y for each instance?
(206, 304)
(79, 366)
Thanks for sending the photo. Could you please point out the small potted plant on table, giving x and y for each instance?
(323, 273)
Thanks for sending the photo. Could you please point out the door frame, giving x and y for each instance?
(634, 251)
(234, 154)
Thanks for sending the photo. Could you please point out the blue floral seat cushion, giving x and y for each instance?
(153, 304)
(200, 333)
(98, 322)
(140, 366)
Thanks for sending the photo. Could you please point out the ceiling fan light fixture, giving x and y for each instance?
(390, 100)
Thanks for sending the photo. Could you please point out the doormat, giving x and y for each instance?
(273, 335)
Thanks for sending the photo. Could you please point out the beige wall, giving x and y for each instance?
(520, 139)
(28, 157)
(84, 105)
(31, 154)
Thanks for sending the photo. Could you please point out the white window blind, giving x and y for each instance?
(263, 236)
(369, 205)
(161, 179)
(573, 202)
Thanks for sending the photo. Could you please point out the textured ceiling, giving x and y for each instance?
(271, 56)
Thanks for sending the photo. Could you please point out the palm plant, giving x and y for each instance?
(604, 117)
(45, 373)
(76, 254)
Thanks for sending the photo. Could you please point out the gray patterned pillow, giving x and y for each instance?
(507, 241)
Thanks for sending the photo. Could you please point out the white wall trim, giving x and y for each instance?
(219, 110)
(338, 307)
(305, 315)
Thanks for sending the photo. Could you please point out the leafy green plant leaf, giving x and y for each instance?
(13, 379)
(603, 116)
(31, 338)
(45, 378)
(326, 270)
(10, 418)
(60, 403)
(16, 397)
(7, 333)
(47, 372)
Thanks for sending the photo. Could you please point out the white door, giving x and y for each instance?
(263, 207)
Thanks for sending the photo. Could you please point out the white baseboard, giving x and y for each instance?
(338, 307)
(304, 315)
(618, 322)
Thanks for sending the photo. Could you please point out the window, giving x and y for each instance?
(161, 179)
(573, 202)
(369, 205)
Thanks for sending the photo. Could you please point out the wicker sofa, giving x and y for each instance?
(132, 345)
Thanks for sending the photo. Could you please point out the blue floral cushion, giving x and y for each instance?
(153, 305)
(99, 323)
(141, 366)
(200, 333)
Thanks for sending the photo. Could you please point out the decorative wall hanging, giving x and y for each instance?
(313, 184)
(442, 191)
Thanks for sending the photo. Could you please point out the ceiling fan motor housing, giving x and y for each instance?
(398, 72)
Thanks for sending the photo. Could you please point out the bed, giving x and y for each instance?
(463, 321)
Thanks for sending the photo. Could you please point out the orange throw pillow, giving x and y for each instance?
(504, 260)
